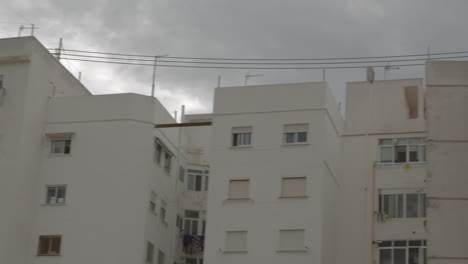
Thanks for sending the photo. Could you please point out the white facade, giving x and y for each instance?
(278, 177)
(80, 178)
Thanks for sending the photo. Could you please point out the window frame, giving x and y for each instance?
(421, 150)
(153, 202)
(298, 249)
(241, 137)
(422, 249)
(149, 258)
(163, 212)
(192, 176)
(421, 204)
(56, 190)
(282, 195)
(236, 250)
(229, 195)
(50, 239)
(295, 134)
(190, 222)
(67, 146)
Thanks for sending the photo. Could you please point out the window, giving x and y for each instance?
(162, 211)
(241, 136)
(55, 194)
(152, 203)
(238, 189)
(236, 241)
(59, 146)
(158, 153)
(402, 150)
(1, 81)
(296, 133)
(181, 174)
(402, 252)
(161, 257)
(49, 245)
(291, 239)
(197, 180)
(407, 205)
(149, 252)
(167, 161)
(293, 187)
(191, 222)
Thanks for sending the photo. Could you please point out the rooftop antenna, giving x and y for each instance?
(79, 76)
(153, 85)
(389, 67)
(324, 75)
(428, 52)
(248, 75)
(22, 27)
(219, 81)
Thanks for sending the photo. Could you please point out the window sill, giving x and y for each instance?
(294, 197)
(402, 165)
(55, 204)
(48, 255)
(235, 251)
(59, 154)
(238, 200)
(295, 144)
(241, 147)
(291, 250)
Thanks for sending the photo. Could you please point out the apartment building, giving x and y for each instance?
(89, 179)
(275, 175)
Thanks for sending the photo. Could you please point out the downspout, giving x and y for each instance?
(374, 165)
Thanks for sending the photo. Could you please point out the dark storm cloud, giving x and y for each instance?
(241, 28)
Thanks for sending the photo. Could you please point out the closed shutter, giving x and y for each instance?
(291, 239)
(296, 128)
(293, 187)
(236, 241)
(238, 189)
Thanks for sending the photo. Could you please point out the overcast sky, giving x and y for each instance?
(236, 29)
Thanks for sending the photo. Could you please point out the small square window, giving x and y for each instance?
(239, 189)
(49, 245)
(236, 241)
(241, 136)
(59, 146)
(55, 194)
(295, 133)
(293, 187)
(291, 239)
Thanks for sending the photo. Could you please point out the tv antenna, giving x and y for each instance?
(248, 75)
(389, 67)
(22, 27)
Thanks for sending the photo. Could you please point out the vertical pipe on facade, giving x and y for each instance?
(179, 139)
(374, 164)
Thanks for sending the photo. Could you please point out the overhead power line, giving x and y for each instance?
(270, 59)
(248, 68)
(260, 63)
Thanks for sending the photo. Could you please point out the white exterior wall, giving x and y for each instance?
(447, 108)
(376, 111)
(265, 163)
(31, 75)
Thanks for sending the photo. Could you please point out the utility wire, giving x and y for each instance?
(279, 59)
(261, 63)
(249, 68)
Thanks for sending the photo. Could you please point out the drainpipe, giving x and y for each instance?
(373, 244)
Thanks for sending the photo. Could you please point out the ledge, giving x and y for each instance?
(241, 147)
(294, 197)
(239, 200)
(54, 205)
(234, 251)
(291, 250)
(295, 144)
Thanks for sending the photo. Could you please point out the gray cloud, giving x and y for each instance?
(242, 28)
